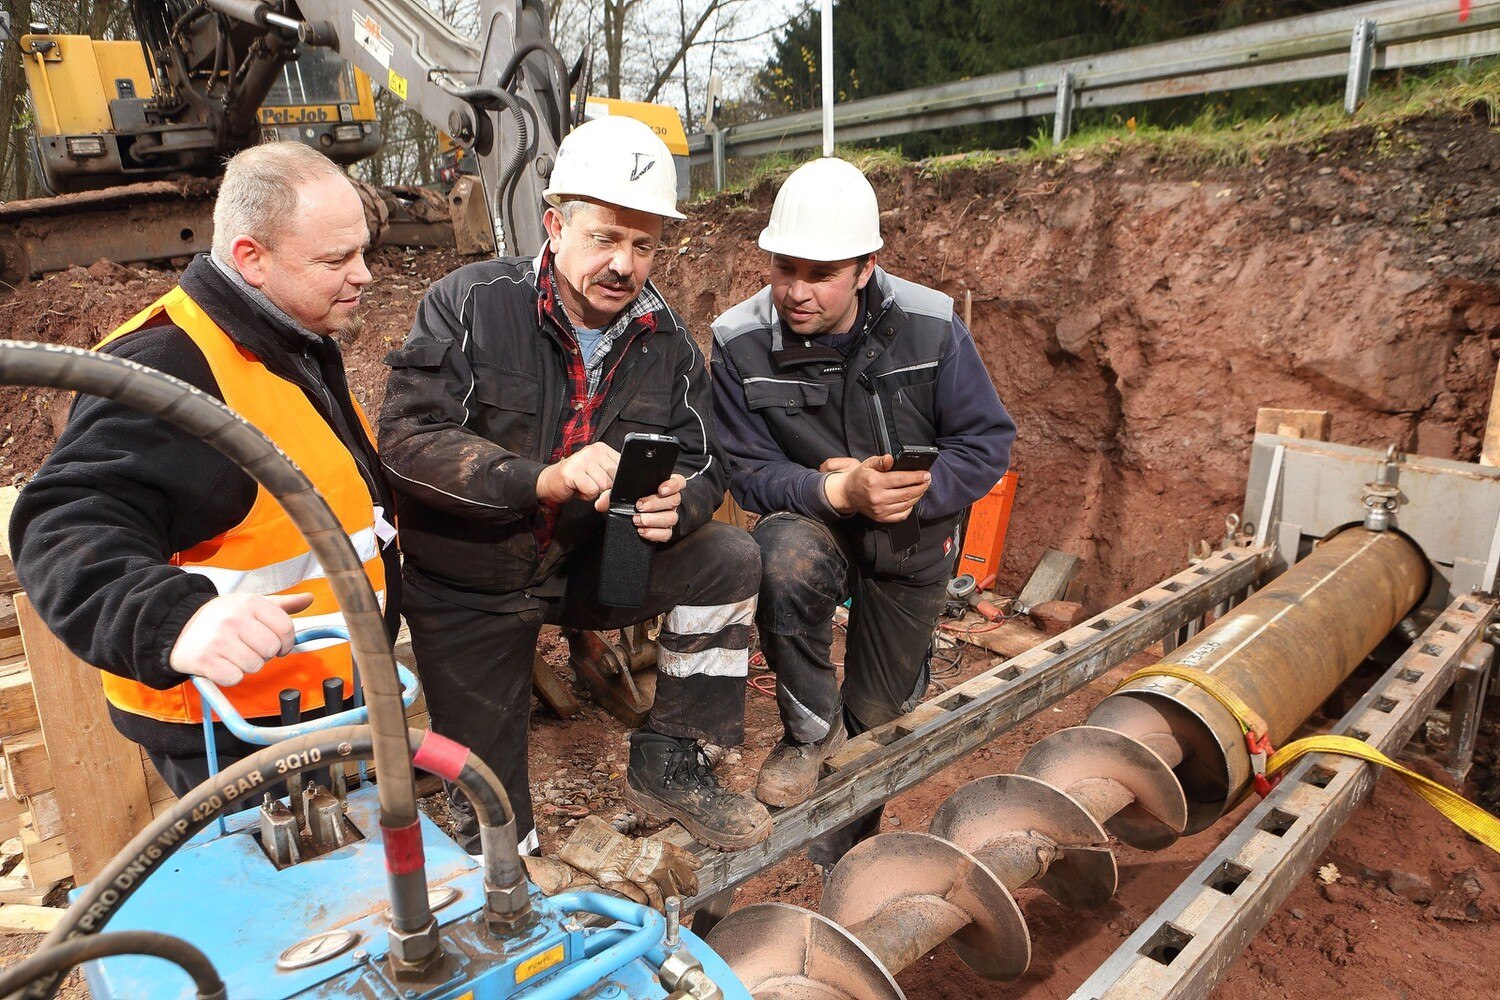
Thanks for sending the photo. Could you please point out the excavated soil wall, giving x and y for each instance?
(1133, 314)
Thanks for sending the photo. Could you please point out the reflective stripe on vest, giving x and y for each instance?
(264, 553)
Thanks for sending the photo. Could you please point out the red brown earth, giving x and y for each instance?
(1134, 314)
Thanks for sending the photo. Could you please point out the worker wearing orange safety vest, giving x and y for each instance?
(153, 556)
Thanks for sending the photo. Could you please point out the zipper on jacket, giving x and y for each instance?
(325, 395)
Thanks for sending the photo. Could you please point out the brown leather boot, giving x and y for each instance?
(790, 773)
(670, 778)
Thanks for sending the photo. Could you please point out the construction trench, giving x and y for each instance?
(1134, 335)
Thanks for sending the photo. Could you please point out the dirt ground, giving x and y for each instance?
(1134, 314)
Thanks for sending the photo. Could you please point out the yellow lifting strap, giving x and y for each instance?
(1467, 816)
(1464, 814)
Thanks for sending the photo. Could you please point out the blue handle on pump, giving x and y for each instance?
(215, 699)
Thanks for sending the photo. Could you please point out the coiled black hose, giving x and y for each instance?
(203, 416)
(55, 962)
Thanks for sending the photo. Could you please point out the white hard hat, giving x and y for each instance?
(825, 211)
(617, 160)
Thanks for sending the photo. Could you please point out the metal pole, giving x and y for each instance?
(1361, 60)
(1062, 118)
(827, 77)
(721, 161)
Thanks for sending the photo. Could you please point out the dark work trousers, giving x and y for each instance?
(475, 666)
(808, 570)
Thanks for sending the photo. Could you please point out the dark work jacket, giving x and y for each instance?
(911, 376)
(123, 491)
(473, 409)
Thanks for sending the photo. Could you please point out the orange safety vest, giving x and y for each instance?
(265, 553)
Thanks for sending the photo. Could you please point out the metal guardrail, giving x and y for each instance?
(1349, 42)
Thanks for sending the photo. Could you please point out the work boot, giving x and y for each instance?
(670, 778)
(465, 823)
(790, 773)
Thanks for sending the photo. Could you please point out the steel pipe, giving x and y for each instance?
(1155, 759)
(1283, 651)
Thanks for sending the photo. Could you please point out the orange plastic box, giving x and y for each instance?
(984, 541)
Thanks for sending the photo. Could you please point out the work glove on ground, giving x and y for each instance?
(642, 869)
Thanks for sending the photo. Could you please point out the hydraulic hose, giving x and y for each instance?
(486, 98)
(558, 65)
(55, 962)
(103, 897)
(203, 416)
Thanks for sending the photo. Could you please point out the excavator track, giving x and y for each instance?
(162, 220)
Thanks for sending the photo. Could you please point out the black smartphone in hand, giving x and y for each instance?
(913, 458)
(646, 461)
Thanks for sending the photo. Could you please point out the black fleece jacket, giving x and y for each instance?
(122, 491)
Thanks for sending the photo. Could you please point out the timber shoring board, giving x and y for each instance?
(101, 787)
(1310, 425)
(1049, 581)
(878, 765)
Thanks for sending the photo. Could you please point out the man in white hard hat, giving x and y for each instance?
(504, 416)
(833, 385)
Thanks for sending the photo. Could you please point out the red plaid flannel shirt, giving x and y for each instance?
(580, 418)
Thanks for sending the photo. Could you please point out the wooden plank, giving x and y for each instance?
(10, 813)
(1049, 581)
(1310, 425)
(1489, 452)
(38, 850)
(17, 703)
(8, 496)
(50, 871)
(1005, 638)
(45, 815)
(22, 918)
(101, 789)
(552, 689)
(28, 767)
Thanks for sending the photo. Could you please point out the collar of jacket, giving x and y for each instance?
(253, 328)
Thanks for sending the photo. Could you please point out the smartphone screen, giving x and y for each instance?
(646, 461)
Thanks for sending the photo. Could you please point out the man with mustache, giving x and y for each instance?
(504, 416)
(821, 381)
(154, 557)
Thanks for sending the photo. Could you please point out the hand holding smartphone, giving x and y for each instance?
(646, 461)
(905, 534)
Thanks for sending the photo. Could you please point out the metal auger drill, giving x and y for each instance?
(1158, 758)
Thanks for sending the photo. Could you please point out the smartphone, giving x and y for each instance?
(915, 458)
(646, 461)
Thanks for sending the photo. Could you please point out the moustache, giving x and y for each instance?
(613, 279)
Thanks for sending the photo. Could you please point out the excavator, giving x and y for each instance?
(130, 135)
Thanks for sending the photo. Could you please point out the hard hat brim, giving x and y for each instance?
(808, 250)
(556, 198)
